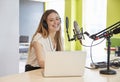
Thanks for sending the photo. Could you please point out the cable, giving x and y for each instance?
(91, 52)
(97, 64)
(115, 63)
(94, 44)
(94, 66)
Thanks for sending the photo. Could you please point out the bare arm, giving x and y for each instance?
(39, 53)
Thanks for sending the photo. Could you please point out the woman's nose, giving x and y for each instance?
(56, 21)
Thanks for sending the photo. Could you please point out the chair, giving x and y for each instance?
(23, 39)
(24, 44)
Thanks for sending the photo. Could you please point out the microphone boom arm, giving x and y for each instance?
(106, 32)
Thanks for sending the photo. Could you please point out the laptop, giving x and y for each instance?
(64, 63)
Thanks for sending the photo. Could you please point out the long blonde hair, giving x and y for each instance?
(44, 32)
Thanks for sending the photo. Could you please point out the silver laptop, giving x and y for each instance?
(64, 63)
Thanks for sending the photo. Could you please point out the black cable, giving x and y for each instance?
(115, 63)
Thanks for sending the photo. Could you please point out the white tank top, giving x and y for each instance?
(47, 46)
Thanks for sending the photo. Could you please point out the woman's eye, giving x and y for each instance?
(57, 19)
(51, 20)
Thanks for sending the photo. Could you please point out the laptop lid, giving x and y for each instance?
(64, 63)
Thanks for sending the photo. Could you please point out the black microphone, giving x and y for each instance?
(79, 33)
(67, 26)
(116, 31)
(67, 23)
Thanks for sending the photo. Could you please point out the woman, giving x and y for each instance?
(46, 38)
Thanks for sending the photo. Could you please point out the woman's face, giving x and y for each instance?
(53, 21)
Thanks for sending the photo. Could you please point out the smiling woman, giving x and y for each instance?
(46, 38)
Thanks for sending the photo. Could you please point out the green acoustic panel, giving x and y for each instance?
(115, 42)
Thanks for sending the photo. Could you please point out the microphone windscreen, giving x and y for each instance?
(78, 31)
(77, 28)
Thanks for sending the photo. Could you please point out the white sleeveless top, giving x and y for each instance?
(47, 46)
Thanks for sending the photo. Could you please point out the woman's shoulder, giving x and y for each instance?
(37, 37)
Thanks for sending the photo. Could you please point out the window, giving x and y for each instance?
(94, 21)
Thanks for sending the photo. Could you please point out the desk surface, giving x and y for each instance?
(36, 76)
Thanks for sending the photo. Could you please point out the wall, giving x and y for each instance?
(113, 12)
(9, 29)
(30, 14)
(113, 16)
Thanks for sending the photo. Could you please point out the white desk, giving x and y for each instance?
(36, 76)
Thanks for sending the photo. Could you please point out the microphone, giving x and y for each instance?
(79, 33)
(67, 24)
(116, 31)
(77, 29)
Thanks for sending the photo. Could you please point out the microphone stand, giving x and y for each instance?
(107, 33)
(108, 71)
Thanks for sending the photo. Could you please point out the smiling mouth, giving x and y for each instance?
(55, 26)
